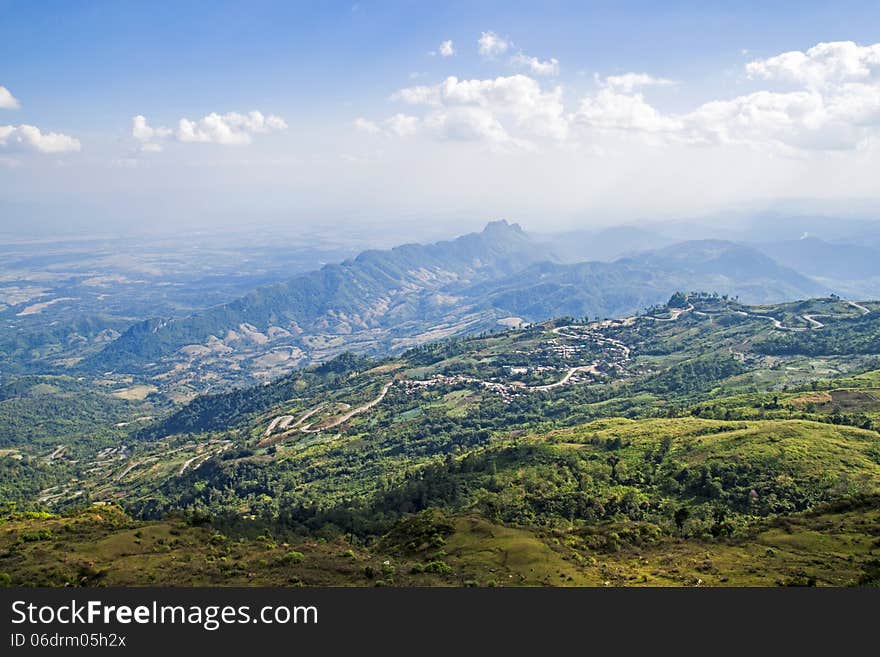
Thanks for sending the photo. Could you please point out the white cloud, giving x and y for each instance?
(30, 138)
(399, 125)
(148, 136)
(609, 110)
(26, 137)
(402, 125)
(7, 100)
(141, 131)
(467, 124)
(227, 129)
(836, 106)
(822, 65)
(231, 128)
(420, 95)
(512, 109)
(761, 117)
(618, 107)
(446, 49)
(536, 66)
(365, 125)
(792, 120)
(492, 45)
(628, 82)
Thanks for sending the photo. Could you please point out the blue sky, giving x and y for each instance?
(565, 109)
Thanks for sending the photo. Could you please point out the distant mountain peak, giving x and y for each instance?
(501, 226)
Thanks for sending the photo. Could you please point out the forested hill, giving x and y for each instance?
(387, 301)
(375, 289)
(684, 445)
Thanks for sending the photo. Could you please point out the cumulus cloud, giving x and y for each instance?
(835, 105)
(227, 129)
(231, 128)
(761, 117)
(402, 125)
(365, 125)
(30, 138)
(536, 66)
(420, 95)
(468, 124)
(446, 49)
(619, 106)
(141, 131)
(491, 45)
(629, 82)
(610, 110)
(511, 109)
(399, 125)
(7, 100)
(824, 64)
(147, 135)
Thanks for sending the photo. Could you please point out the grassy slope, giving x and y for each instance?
(807, 450)
(771, 441)
(103, 547)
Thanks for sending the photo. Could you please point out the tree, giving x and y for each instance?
(681, 516)
(678, 300)
(613, 460)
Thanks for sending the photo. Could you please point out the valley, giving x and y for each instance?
(411, 416)
(621, 446)
(379, 302)
(422, 295)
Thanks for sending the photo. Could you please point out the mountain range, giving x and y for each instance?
(389, 300)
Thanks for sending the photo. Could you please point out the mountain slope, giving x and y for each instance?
(603, 245)
(853, 269)
(390, 300)
(630, 284)
(816, 257)
(375, 290)
(684, 446)
(732, 265)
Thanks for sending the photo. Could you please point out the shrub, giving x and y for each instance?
(438, 567)
(292, 557)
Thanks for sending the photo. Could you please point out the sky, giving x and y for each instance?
(409, 115)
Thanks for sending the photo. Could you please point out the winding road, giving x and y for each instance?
(675, 313)
(776, 323)
(815, 322)
(568, 375)
(351, 413)
(865, 311)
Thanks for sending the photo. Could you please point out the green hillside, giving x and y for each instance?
(387, 301)
(683, 446)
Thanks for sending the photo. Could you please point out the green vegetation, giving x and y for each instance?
(676, 447)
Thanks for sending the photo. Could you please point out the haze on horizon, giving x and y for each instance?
(419, 119)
